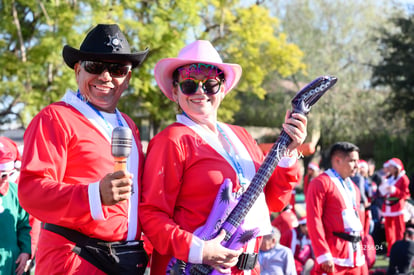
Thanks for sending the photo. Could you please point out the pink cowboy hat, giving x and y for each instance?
(200, 51)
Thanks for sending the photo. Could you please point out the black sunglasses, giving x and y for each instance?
(190, 86)
(6, 174)
(114, 69)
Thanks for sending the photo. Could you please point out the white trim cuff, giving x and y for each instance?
(195, 256)
(324, 257)
(286, 162)
(95, 203)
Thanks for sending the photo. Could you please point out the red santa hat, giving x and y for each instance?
(396, 162)
(302, 220)
(363, 164)
(9, 154)
(313, 166)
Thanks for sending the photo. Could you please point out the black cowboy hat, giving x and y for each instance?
(104, 43)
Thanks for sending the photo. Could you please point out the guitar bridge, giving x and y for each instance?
(247, 261)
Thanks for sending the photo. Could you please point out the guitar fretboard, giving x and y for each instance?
(259, 180)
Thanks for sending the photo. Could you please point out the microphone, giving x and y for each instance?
(121, 147)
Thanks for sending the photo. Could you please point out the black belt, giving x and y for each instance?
(123, 257)
(70, 234)
(247, 261)
(391, 201)
(348, 237)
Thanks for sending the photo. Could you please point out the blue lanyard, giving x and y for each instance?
(81, 97)
(347, 187)
(233, 159)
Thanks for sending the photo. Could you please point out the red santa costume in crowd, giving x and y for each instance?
(299, 243)
(395, 191)
(34, 223)
(56, 188)
(286, 220)
(200, 167)
(331, 208)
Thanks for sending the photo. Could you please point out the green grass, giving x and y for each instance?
(381, 262)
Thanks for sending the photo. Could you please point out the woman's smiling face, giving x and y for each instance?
(199, 105)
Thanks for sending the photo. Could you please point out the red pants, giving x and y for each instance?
(394, 230)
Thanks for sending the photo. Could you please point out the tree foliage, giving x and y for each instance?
(396, 70)
(34, 74)
(336, 39)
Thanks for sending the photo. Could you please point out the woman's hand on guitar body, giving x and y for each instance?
(218, 256)
(295, 126)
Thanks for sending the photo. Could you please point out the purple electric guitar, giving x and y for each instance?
(229, 212)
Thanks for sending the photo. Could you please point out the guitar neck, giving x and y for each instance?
(259, 180)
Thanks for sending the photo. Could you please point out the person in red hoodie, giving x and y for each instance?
(395, 192)
(333, 221)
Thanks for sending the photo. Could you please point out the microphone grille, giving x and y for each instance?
(121, 142)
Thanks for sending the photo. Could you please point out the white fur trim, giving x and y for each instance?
(95, 203)
(393, 163)
(286, 162)
(313, 166)
(7, 166)
(195, 255)
(17, 164)
(324, 257)
(388, 213)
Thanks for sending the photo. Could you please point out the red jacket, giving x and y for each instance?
(395, 200)
(326, 206)
(182, 176)
(64, 153)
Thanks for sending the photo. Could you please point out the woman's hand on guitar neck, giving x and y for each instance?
(218, 256)
(296, 127)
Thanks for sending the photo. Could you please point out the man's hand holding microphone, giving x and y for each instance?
(117, 186)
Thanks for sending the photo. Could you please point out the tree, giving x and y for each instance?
(395, 69)
(34, 74)
(336, 38)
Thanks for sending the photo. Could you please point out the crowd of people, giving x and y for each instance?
(356, 214)
(67, 210)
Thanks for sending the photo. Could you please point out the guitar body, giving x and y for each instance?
(228, 212)
(222, 207)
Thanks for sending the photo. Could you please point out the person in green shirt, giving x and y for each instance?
(15, 241)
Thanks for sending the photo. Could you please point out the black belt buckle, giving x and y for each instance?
(247, 261)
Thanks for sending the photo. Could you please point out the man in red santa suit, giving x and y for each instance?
(286, 220)
(332, 205)
(67, 180)
(297, 239)
(395, 192)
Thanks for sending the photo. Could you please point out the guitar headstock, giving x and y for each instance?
(310, 94)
